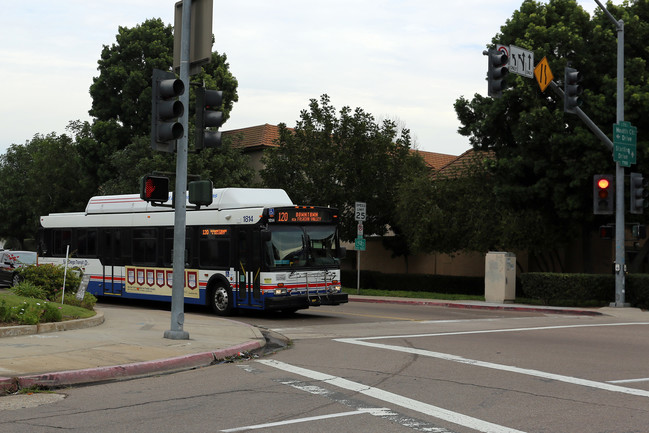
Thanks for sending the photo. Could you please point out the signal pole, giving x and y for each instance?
(620, 265)
(180, 218)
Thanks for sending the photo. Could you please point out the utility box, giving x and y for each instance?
(500, 277)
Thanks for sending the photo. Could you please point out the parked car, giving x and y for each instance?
(10, 262)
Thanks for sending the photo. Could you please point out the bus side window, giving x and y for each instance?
(145, 246)
(61, 240)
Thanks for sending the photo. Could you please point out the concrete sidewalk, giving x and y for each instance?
(127, 342)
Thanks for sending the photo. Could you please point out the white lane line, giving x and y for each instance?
(296, 421)
(395, 399)
(496, 331)
(386, 414)
(644, 379)
(530, 372)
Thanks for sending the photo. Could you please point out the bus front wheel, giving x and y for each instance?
(221, 300)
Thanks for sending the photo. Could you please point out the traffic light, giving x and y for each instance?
(154, 188)
(200, 192)
(606, 232)
(165, 111)
(638, 193)
(572, 90)
(207, 116)
(603, 194)
(496, 73)
(639, 231)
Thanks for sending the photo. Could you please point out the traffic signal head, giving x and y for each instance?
(496, 73)
(572, 90)
(154, 188)
(638, 193)
(200, 192)
(165, 110)
(603, 194)
(208, 102)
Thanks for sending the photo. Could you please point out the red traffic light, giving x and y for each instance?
(154, 188)
(603, 183)
(603, 194)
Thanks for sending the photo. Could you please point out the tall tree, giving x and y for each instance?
(339, 158)
(121, 95)
(39, 177)
(543, 158)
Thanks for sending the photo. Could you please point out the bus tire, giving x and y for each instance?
(221, 299)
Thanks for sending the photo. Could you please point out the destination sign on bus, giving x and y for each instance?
(296, 215)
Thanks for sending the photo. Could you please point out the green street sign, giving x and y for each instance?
(359, 244)
(625, 138)
(625, 133)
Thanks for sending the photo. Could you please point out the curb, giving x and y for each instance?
(41, 328)
(126, 371)
(551, 310)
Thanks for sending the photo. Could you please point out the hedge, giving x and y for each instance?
(583, 289)
(548, 288)
(415, 282)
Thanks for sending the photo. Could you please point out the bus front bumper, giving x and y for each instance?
(304, 301)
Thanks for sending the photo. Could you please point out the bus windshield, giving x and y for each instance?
(302, 246)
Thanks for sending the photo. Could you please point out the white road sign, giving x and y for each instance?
(361, 211)
(521, 61)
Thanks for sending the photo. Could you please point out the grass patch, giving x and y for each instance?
(417, 295)
(11, 306)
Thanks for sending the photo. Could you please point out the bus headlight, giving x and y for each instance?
(334, 288)
(280, 292)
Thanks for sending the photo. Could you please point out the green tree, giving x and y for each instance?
(335, 159)
(121, 106)
(39, 177)
(543, 158)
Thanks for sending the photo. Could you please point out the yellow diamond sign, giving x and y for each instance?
(543, 74)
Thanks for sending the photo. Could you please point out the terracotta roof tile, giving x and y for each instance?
(254, 136)
(435, 160)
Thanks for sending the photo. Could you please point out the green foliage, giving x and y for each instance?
(120, 152)
(29, 290)
(334, 159)
(29, 312)
(50, 278)
(88, 302)
(568, 289)
(443, 284)
(46, 172)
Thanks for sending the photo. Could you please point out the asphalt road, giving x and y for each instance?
(388, 368)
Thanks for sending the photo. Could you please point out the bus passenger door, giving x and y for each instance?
(248, 274)
(113, 278)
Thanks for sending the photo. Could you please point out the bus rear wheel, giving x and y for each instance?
(221, 300)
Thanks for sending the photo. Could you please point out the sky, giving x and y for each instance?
(404, 60)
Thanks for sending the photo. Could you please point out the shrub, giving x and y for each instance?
(415, 282)
(50, 278)
(5, 311)
(29, 290)
(51, 313)
(88, 302)
(568, 289)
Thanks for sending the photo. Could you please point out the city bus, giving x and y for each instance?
(250, 249)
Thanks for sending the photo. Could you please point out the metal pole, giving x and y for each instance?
(620, 265)
(358, 272)
(180, 193)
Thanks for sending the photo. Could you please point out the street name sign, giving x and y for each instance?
(625, 139)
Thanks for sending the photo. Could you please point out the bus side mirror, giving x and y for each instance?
(342, 252)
